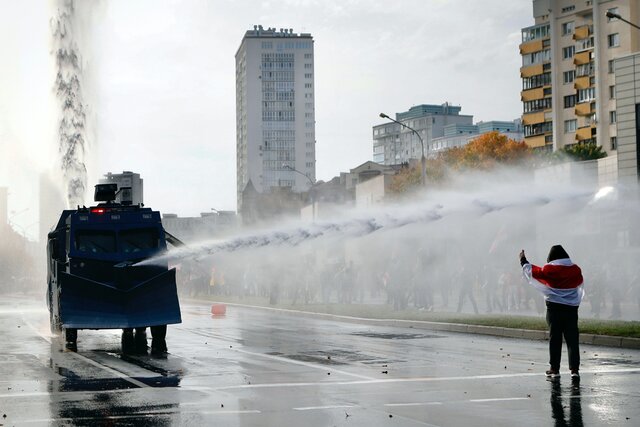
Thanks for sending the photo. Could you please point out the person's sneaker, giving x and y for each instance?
(575, 375)
(552, 373)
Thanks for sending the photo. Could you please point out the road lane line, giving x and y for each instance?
(306, 364)
(413, 404)
(109, 370)
(148, 414)
(89, 361)
(499, 399)
(311, 408)
(413, 380)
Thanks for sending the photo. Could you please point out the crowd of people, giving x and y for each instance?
(405, 280)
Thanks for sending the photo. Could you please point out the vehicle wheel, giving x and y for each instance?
(128, 342)
(71, 338)
(158, 342)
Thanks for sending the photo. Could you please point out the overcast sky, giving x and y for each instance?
(161, 83)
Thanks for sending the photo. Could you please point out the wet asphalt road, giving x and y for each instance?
(256, 367)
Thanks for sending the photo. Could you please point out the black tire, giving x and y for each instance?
(71, 335)
(158, 341)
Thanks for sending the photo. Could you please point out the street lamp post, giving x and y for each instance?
(612, 15)
(311, 190)
(423, 159)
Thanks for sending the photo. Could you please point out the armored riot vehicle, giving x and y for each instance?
(93, 279)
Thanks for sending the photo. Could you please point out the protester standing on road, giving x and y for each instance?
(560, 280)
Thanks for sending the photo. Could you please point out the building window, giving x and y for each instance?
(614, 142)
(611, 66)
(536, 105)
(588, 94)
(567, 28)
(536, 57)
(533, 82)
(569, 101)
(613, 117)
(538, 129)
(615, 11)
(569, 76)
(536, 32)
(567, 52)
(570, 125)
(568, 9)
(613, 40)
(612, 92)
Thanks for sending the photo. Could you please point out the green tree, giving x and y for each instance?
(581, 152)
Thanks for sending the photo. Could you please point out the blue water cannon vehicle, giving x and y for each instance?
(93, 279)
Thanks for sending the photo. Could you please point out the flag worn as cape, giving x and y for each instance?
(560, 281)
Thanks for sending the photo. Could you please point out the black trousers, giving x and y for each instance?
(563, 321)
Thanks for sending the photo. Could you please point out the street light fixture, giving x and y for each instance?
(311, 189)
(423, 159)
(286, 166)
(612, 15)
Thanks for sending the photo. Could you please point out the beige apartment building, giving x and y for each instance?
(568, 81)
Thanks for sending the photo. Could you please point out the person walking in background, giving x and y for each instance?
(560, 280)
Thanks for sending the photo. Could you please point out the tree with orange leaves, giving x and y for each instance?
(484, 152)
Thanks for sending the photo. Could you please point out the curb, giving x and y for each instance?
(591, 339)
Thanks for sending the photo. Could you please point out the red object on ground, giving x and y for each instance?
(218, 309)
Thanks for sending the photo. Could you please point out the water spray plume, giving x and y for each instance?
(449, 206)
(72, 141)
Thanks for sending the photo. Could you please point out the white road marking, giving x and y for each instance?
(109, 370)
(413, 380)
(89, 361)
(151, 414)
(306, 364)
(414, 404)
(311, 408)
(499, 399)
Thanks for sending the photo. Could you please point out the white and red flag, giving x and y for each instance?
(560, 281)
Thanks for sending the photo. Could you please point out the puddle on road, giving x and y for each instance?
(389, 336)
(614, 361)
(335, 357)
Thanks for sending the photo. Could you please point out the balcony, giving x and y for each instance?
(535, 141)
(533, 118)
(585, 44)
(582, 82)
(582, 32)
(531, 94)
(585, 133)
(582, 58)
(585, 108)
(530, 47)
(531, 70)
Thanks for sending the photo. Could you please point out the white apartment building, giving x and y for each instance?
(275, 111)
(568, 80)
(394, 144)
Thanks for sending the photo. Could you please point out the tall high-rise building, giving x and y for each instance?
(275, 112)
(568, 81)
